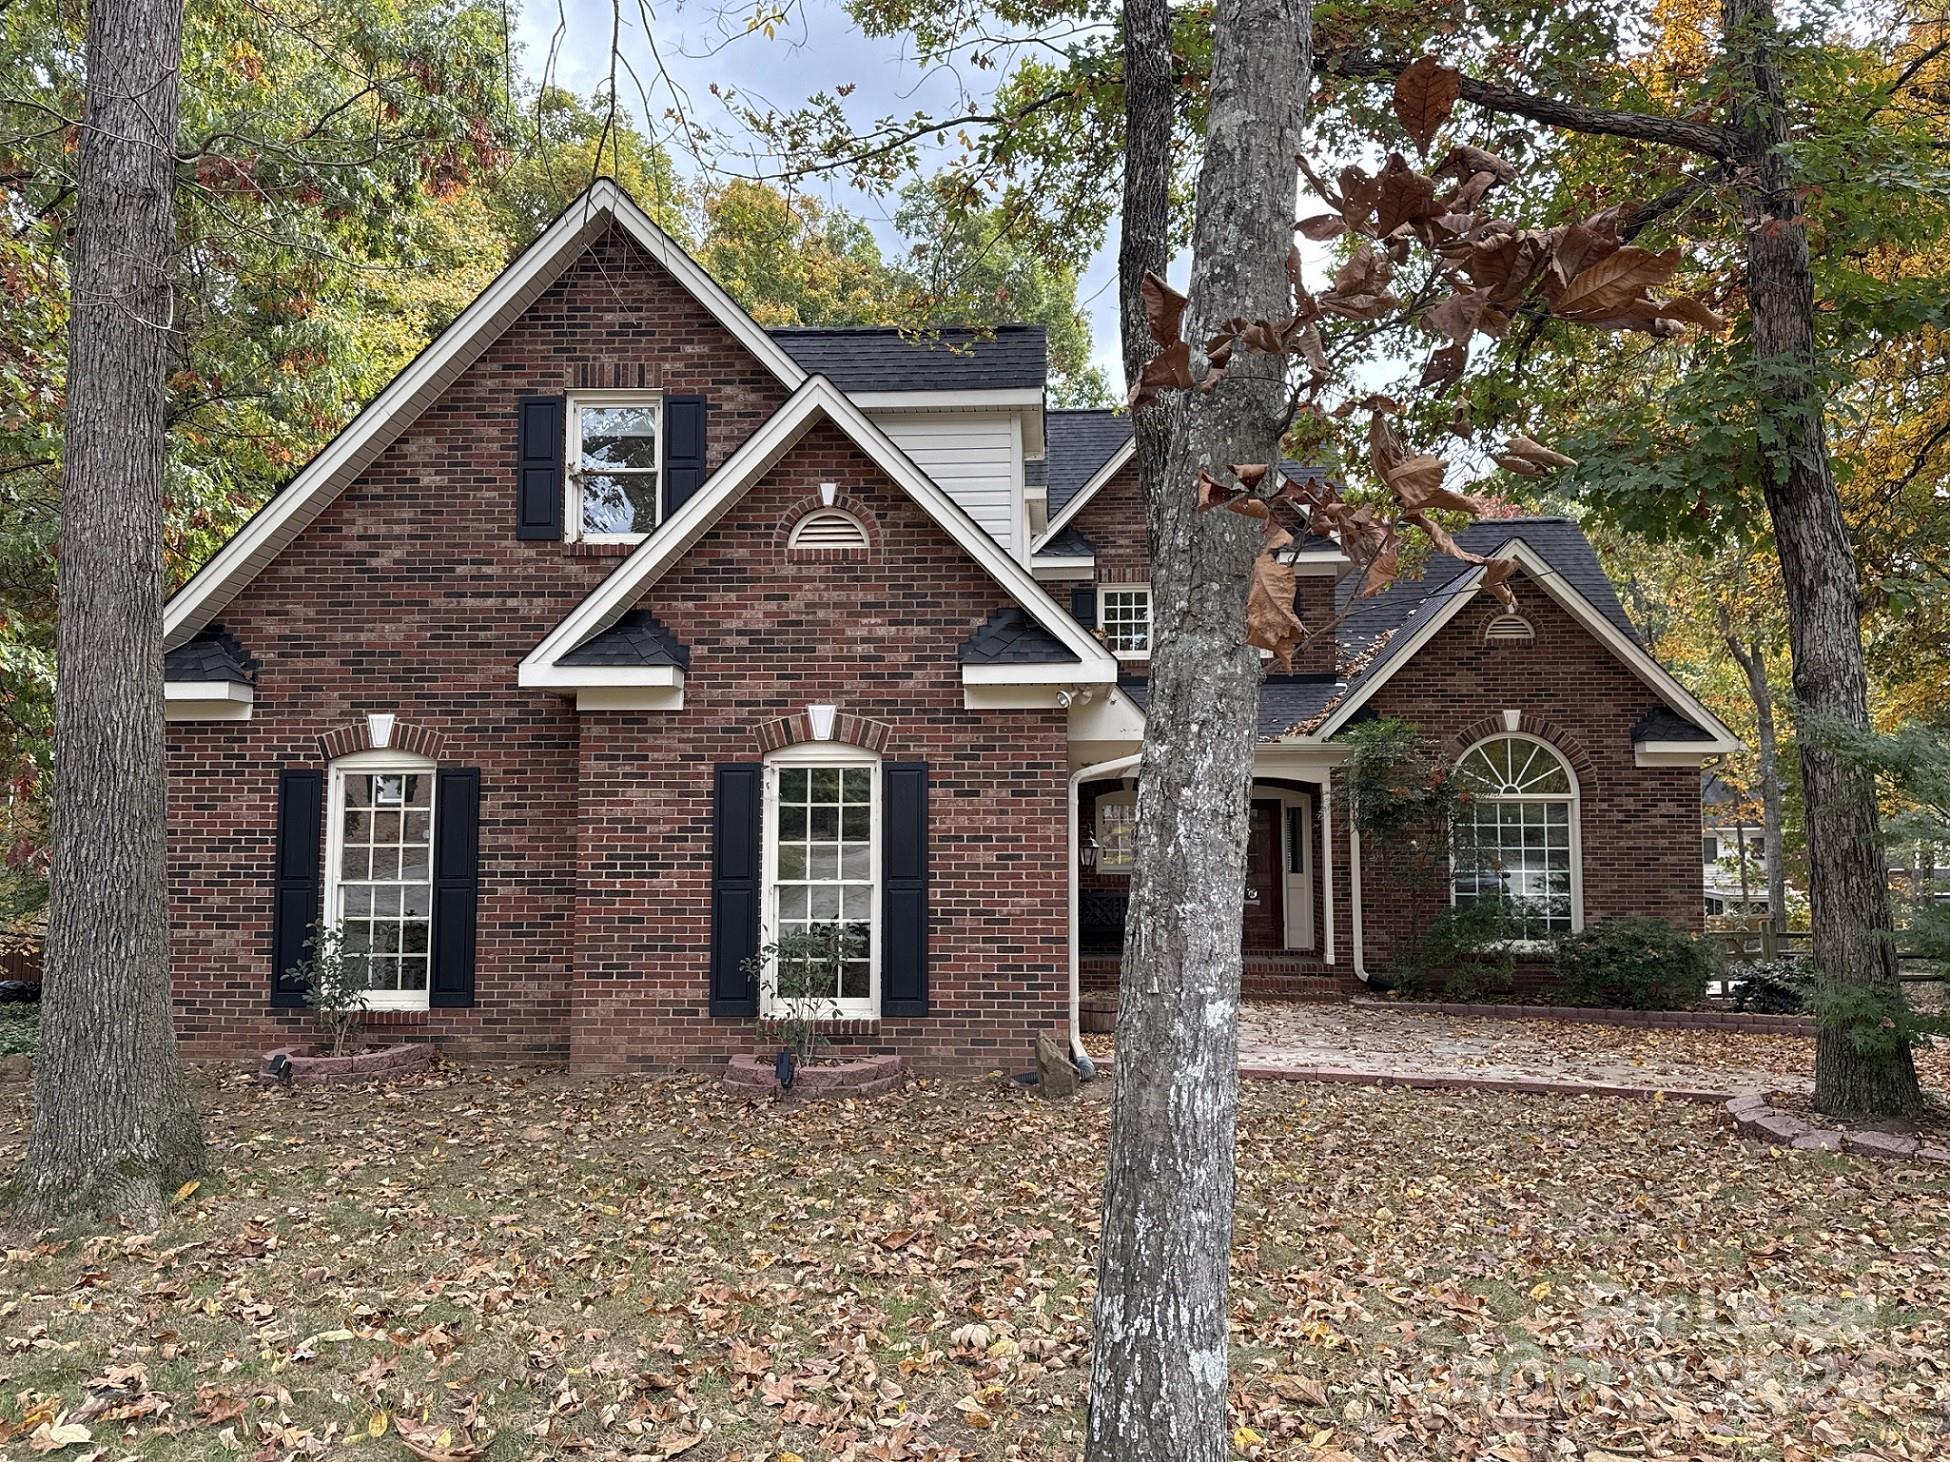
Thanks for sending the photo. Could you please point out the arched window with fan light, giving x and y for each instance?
(1516, 835)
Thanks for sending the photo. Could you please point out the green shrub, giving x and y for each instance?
(1782, 986)
(20, 1030)
(1465, 952)
(1633, 964)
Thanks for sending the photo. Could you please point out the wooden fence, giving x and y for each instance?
(1759, 940)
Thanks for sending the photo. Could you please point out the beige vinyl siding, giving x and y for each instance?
(977, 459)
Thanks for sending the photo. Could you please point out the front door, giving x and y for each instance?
(1264, 926)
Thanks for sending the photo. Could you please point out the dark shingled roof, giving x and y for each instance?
(1067, 544)
(1010, 637)
(1663, 724)
(638, 638)
(876, 358)
(212, 655)
(1284, 700)
(1079, 442)
(1405, 605)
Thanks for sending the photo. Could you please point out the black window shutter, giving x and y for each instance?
(538, 467)
(684, 440)
(735, 813)
(456, 884)
(904, 888)
(299, 878)
(1083, 605)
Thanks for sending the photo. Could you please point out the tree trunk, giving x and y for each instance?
(1158, 1376)
(1847, 884)
(113, 1127)
(1752, 658)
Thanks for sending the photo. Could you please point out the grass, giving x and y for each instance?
(537, 1267)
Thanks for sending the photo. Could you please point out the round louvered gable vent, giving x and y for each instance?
(828, 528)
(1509, 629)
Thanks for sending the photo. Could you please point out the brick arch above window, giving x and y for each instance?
(813, 503)
(408, 736)
(1566, 745)
(861, 731)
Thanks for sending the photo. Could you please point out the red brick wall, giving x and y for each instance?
(410, 594)
(1640, 826)
(875, 633)
(1114, 522)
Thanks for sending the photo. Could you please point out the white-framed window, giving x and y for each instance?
(822, 863)
(615, 477)
(1124, 616)
(1117, 832)
(379, 872)
(1516, 835)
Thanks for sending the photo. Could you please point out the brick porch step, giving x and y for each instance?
(1263, 977)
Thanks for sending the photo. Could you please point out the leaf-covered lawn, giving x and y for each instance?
(647, 1269)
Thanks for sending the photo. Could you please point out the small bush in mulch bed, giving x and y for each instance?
(1633, 964)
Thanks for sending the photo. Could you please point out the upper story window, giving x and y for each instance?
(616, 465)
(1516, 835)
(1124, 616)
(379, 871)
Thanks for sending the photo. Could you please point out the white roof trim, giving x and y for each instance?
(817, 398)
(1461, 590)
(580, 677)
(1112, 466)
(429, 373)
(207, 700)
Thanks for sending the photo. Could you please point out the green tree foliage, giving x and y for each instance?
(793, 261)
(968, 262)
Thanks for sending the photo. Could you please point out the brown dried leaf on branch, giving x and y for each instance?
(1425, 94)
(1271, 623)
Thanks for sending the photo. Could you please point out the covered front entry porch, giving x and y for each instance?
(1287, 923)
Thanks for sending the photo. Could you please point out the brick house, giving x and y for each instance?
(618, 636)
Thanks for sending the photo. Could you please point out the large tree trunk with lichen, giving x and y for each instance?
(113, 1127)
(1847, 884)
(1158, 1377)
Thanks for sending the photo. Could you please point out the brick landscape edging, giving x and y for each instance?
(1445, 1081)
(753, 1076)
(384, 1063)
(1753, 1115)
(1733, 1020)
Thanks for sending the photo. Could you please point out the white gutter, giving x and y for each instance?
(1117, 766)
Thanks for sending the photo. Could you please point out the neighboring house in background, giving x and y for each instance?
(619, 636)
(1729, 827)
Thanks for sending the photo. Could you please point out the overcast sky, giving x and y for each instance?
(820, 48)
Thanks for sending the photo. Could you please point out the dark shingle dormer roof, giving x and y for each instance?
(1662, 724)
(214, 655)
(1067, 544)
(638, 638)
(1285, 701)
(861, 358)
(1078, 443)
(1010, 637)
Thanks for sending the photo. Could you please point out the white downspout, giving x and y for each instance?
(1116, 766)
(1354, 895)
